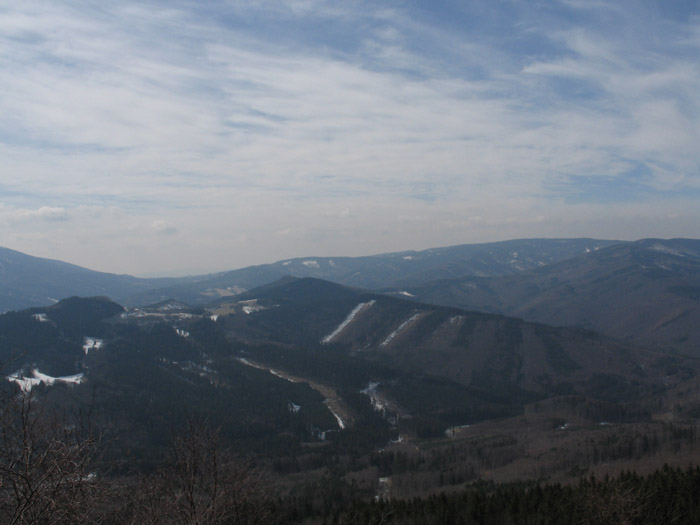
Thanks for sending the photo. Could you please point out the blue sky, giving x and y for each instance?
(179, 137)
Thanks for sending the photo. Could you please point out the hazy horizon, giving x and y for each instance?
(166, 138)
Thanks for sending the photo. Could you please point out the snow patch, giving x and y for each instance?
(341, 423)
(378, 404)
(250, 306)
(286, 263)
(92, 343)
(408, 257)
(666, 249)
(41, 318)
(359, 308)
(293, 407)
(407, 294)
(400, 329)
(311, 264)
(27, 383)
(182, 333)
(281, 376)
(214, 317)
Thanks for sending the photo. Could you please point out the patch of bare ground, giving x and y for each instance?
(331, 398)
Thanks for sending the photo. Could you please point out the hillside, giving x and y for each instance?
(511, 359)
(333, 391)
(33, 281)
(646, 292)
(378, 271)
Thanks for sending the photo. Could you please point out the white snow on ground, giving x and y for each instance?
(41, 318)
(403, 292)
(311, 264)
(214, 317)
(378, 403)
(286, 263)
(341, 423)
(666, 249)
(27, 383)
(246, 362)
(401, 328)
(281, 376)
(91, 343)
(260, 367)
(360, 307)
(408, 257)
(182, 333)
(250, 306)
(293, 407)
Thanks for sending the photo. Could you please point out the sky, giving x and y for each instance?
(175, 137)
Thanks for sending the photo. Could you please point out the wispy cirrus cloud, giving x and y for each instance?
(227, 123)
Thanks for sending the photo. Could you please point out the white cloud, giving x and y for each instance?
(165, 115)
(44, 213)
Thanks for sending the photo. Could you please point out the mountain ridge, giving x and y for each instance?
(644, 292)
(32, 281)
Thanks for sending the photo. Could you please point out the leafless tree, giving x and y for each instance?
(45, 464)
(202, 484)
(611, 501)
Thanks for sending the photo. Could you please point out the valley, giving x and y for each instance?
(341, 395)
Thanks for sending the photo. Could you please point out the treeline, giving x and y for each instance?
(669, 495)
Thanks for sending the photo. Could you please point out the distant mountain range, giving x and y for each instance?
(30, 281)
(646, 292)
(301, 371)
(427, 363)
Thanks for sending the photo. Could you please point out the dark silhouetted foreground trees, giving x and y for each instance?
(202, 483)
(51, 473)
(45, 465)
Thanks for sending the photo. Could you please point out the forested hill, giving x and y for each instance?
(339, 396)
(646, 292)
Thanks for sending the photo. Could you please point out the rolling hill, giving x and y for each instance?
(377, 271)
(33, 281)
(503, 355)
(334, 388)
